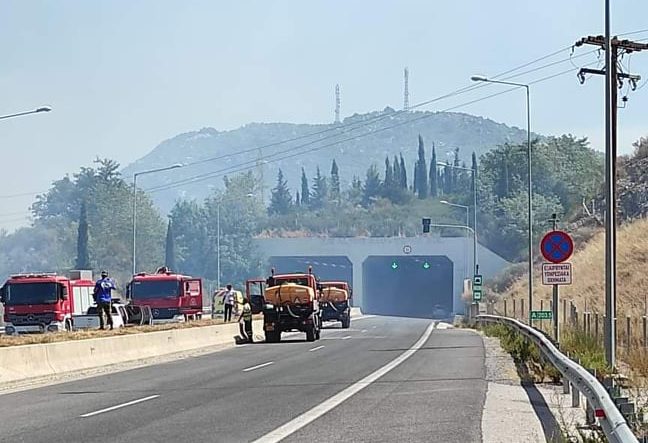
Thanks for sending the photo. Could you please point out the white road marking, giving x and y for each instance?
(263, 365)
(362, 317)
(313, 414)
(363, 331)
(346, 338)
(123, 405)
(316, 349)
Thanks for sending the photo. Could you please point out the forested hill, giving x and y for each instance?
(387, 133)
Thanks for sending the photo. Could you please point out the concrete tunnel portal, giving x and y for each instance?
(408, 286)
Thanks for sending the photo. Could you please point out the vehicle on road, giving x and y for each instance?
(335, 302)
(254, 289)
(45, 302)
(291, 302)
(90, 320)
(172, 297)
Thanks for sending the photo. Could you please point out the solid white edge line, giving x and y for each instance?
(346, 337)
(123, 405)
(316, 349)
(263, 365)
(313, 414)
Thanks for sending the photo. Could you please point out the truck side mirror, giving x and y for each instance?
(64, 292)
(320, 287)
(128, 291)
(3, 294)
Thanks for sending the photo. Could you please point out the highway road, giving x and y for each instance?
(384, 379)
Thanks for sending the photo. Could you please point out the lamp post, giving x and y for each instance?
(218, 239)
(467, 208)
(35, 111)
(479, 78)
(135, 175)
(474, 180)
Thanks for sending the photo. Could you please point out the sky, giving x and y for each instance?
(124, 75)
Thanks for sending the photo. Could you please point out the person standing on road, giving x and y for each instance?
(228, 303)
(246, 317)
(103, 297)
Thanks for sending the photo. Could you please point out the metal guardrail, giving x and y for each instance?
(611, 420)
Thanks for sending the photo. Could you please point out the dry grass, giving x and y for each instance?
(30, 339)
(588, 267)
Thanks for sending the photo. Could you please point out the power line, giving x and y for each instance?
(244, 166)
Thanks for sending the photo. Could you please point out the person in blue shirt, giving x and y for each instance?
(103, 298)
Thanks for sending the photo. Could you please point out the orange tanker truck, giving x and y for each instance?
(335, 302)
(291, 302)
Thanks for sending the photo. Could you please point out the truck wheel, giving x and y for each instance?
(68, 325)
(273, 337)
(310, 334)
(346, 323)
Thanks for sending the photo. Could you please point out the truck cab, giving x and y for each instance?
(172, 297)
(45, 302)
(291, 302)
(254, 289)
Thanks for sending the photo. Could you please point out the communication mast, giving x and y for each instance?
(406, 90)
(337, 103)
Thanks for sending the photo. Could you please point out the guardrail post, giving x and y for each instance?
(564, 316)
(565, 384)
(575, 397)
(505, 310)
(584, 321)
(589, 411)
(644, 331)
(596, 325)
(514, 311)
(522, 316)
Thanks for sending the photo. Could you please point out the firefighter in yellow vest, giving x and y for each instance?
(246, 319)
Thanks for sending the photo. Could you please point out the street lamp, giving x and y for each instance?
(35, 111)
(135, 175)
(479, 78)
(218, 239)
(467, 208)
(474, 180)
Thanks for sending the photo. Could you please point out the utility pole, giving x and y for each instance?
(406, 90)
(337, 103)
(613, 48)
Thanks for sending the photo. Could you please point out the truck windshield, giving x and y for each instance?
(296, 280)
(142, 290)
(31, 293)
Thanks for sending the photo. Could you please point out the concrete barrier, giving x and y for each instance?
(355, 311)
(40, 360)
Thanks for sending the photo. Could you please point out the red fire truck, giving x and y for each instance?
(171, 296)
(45, 302)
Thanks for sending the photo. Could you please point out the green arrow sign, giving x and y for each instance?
(394, 265)
(477, 294)
(541, 315)
(426, 265)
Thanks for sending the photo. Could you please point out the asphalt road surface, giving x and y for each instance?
(384, 379)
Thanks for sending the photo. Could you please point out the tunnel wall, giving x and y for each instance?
(358, 249)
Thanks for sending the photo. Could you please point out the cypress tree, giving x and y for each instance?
(169, 259)
(421, 164)
(455, 170)
(297, 199)
(396, 173)
(388, 185)
(335, 183)
(434, 178)
(372, 185)
(474, 172)
(403, 172)
(83, 256)
(305, 191)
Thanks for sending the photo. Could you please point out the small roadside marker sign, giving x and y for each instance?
(541, 315)
(477, 294)
(477, 287)
(556, 274)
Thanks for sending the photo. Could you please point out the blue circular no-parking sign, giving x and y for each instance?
(557, 246)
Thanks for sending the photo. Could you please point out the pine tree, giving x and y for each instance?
(372, 186)
(434, 178)
(83, 256)
(305, 191)
(319, 195)
(403, 172)
(297, 199)
(280, 200)
(169, 260)
(421, 166)
(335, 183)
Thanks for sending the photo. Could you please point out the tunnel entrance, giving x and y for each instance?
(408, 286)
(325, 267)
